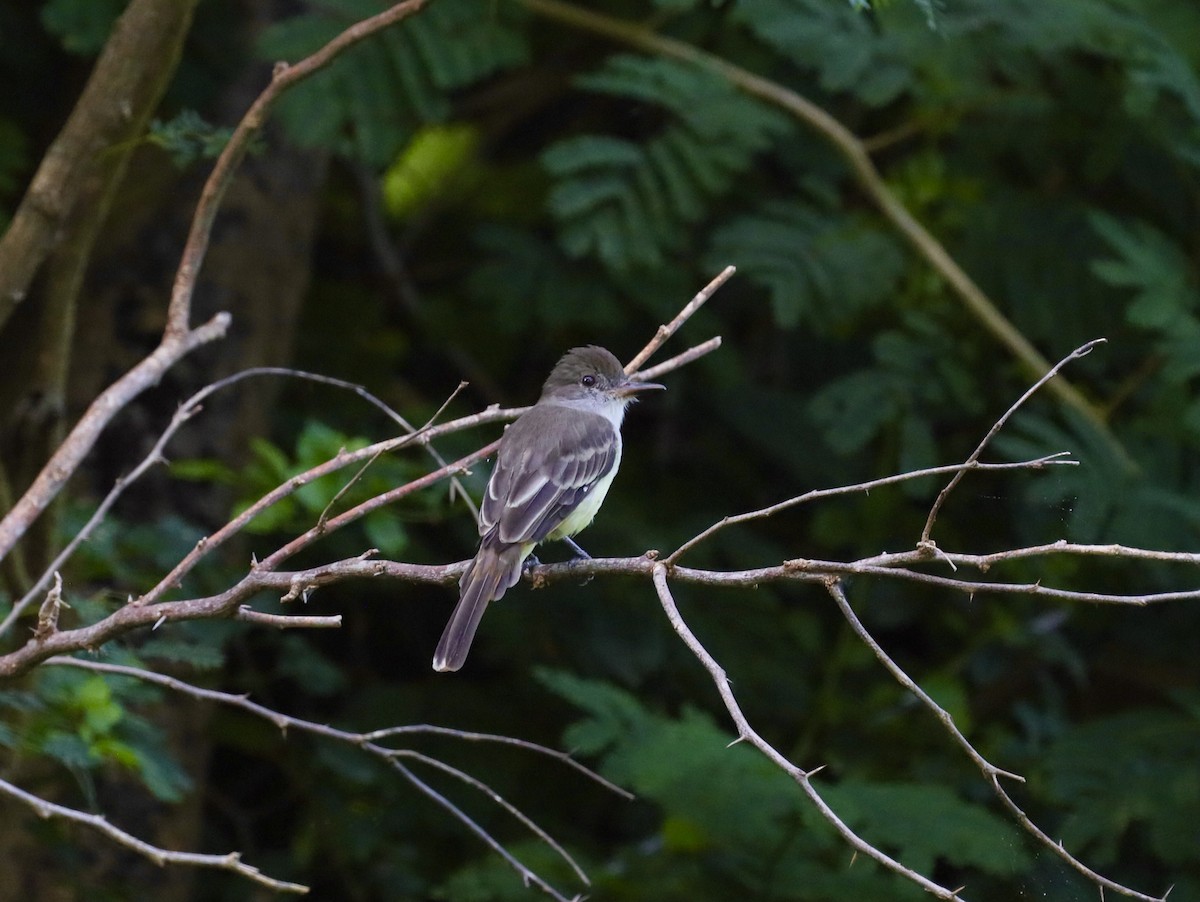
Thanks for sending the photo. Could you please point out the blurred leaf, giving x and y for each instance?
(188, 138)
(928, 823)
(433, 158)
(1126, 772)
(374, 97)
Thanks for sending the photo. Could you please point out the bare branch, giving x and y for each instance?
(471, 736)
(1057, 848)
(179, 338)
(367, 742)
(679, 360)
(47, 622)
(234, 526)
(748, 734)
(160, 856)
(179, 311)
(666, 331)
(1081, 351)
(990, 772)
(79, 442)
(288, 621)
(182, 415)
(508, 806)
(1056, 459)
(528, 876)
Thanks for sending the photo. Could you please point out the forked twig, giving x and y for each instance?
(990, 772)
(367, 742)
(1057, 459)
(748, 734)
(666, 331)
(1081, 351)
(231, 861)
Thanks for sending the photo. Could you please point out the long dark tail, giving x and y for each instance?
(486, 579)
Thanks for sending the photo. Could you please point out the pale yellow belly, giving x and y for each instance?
(586, 511)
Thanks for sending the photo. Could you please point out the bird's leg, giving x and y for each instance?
(530, 562)
(580, 555)
(574, 546)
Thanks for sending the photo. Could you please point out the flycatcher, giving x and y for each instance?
(553, 469)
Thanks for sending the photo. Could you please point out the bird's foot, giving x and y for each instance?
(531, 562)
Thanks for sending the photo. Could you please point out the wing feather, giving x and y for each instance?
(532, 492)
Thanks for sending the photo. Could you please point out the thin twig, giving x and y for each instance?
(485, 789)
(679, 360)
(1056, 459)
(361, 510)
(748, 734)
(289, 621)
(990, 772)
(364, 741)
(1057, 848)
(234, 526)
(160, 856)
(179, 338)
(1081, 351)
(182, 415)
(285, 76)
(527, 875)
(666, 331)
(471, 736)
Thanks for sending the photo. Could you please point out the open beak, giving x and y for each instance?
(632, 388)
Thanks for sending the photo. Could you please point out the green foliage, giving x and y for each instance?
(300, 510)
(81, 25)
(83, 721)
(1148, 793)
(723, 803)
(125, 553)
(816, 267)
(629, 203)
(372, 99)
(188, 138)
(914, 369)
(848, 53)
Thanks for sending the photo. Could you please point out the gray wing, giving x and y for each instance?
(534, 490)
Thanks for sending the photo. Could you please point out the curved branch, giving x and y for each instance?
(178, 337)
(747, 733)
(856, 156)
(121, 92)
(1081, 351)
(160, 856)
(990, 772)
(368, 742)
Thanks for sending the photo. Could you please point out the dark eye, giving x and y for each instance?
(588, 380)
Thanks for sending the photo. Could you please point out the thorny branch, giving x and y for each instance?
(990, 772)
(747, 733)
(151, 610)
(229, 862)
(369, 743)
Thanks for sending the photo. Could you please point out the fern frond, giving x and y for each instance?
(814, 266)
(368, 102)
(627, 203)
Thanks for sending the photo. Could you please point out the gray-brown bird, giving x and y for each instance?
(554, 467)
